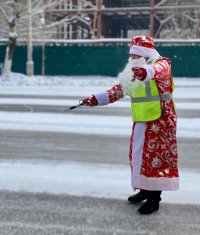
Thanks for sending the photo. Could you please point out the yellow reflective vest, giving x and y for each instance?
(145, 101)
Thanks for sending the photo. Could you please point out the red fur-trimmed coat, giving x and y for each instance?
(153, 145)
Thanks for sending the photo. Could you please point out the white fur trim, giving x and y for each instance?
(155, 183)
(140, 181)
(144, 51)
(150, 72)
(137, 149)
(102, 98)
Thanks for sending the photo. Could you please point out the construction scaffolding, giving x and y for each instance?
(54, 20)
(84, 19)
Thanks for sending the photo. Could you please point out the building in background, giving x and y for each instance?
(84, 19)
(45, 34)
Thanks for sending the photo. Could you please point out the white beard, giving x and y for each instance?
(127, 74)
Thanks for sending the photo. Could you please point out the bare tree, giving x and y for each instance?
(11, 20)
(58, 17)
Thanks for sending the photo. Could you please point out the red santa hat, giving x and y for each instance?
(143, 45)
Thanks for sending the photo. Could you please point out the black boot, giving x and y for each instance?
(138, 197)
(152, 203)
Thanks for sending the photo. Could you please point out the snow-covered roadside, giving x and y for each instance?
(16, 79)
(19, 84)
(84, 124)
(81, 179)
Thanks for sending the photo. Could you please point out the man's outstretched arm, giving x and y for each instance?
(106, 97)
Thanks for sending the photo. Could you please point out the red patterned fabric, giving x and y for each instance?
(159, 155)
(90, 101)
(160, 147)
(115, 93)
(143, 41)
(139, 73)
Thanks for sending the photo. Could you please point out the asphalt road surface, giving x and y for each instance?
(31, 214)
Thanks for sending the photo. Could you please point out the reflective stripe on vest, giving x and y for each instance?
(146, 104)
(149, 96)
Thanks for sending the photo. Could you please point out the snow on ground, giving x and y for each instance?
(16, 79)
(80, 86)
(81, 179)
(77, 178)
(18, 84)
(125, 103)
(84, 124)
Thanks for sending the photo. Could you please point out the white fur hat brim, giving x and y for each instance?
(150, 53)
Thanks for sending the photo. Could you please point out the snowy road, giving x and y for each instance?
(69, 173)
(83, 122)
(21, 109)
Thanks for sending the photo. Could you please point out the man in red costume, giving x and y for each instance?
(153, 145)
